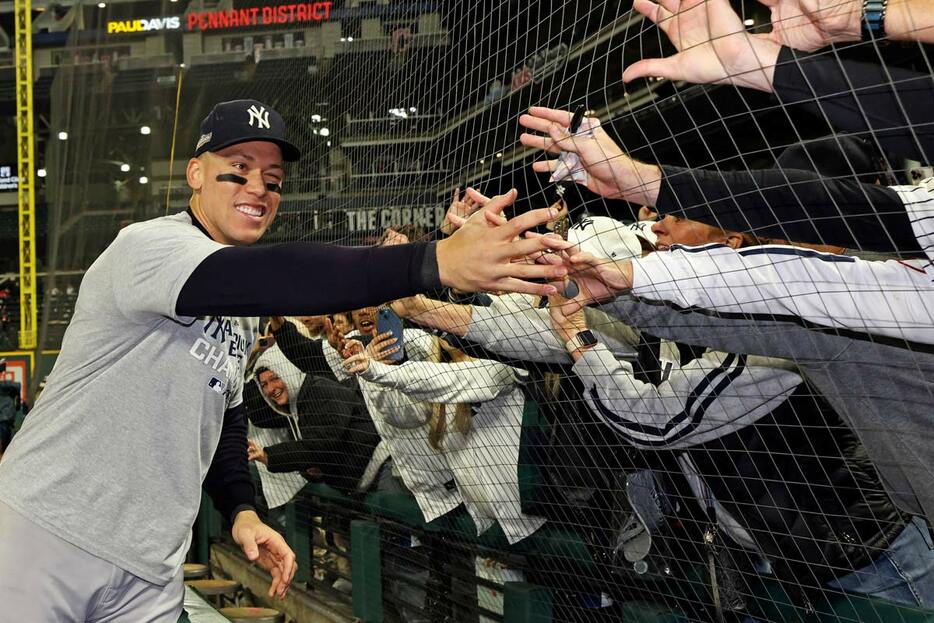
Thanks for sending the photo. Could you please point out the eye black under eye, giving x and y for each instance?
(273, 187)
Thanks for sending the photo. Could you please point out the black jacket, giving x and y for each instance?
(801, 482)
(337, 434)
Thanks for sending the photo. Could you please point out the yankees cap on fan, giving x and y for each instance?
(239, 121)
(603, 236)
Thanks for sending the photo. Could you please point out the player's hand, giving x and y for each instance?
(479, 256)
(713, 46)
(265, 547)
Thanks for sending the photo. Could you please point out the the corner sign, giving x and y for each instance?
(260, 16)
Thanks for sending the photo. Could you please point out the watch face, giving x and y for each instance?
(587, 338)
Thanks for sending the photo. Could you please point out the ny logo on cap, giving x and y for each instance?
(261, 117)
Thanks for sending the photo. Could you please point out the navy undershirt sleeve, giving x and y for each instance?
(790, 204)
(305, 278)
(893, 103)
(228, 481)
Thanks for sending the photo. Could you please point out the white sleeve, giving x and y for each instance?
(707, 398)
(479, 380)
(513, 328)
(919, 204)
(893, 298)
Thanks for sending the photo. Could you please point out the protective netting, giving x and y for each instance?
(745, 433)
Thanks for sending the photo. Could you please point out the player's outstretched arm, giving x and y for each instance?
(309, 278)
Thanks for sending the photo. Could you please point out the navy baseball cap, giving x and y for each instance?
(240, 121)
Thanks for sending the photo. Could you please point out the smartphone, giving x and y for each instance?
(388, 320)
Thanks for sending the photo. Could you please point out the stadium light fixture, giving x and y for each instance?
(749, 22)
(143, 179)
(102, 5)
(125, 167)
(329, 143)
(349, 39)
(41, 173)
(145, 130)
(324, 132)
(63, 136)
(316, 118)
(499, 154)
(482, 161)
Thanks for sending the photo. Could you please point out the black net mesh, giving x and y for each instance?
(743, 436)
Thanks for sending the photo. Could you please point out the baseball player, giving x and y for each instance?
(99, 491)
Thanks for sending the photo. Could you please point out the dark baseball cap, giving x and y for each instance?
(240, 121)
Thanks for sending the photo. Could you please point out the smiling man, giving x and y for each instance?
(99, 490)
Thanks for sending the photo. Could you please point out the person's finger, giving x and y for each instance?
(768, 3)
(545, 166)
(538, 271)
(475, 195)
(497, 204)
(561, 117)
(288, 567)
(494, 219)
(651, 10)
(457, 194)
(276, 580)
(656, 67)
(537, 141)
(668, 8)
(510, 284)
(539, 124)
(529, 246)
(457, 221)
(248, 544)
(528, 220)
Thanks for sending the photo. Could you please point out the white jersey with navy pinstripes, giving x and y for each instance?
(892, 299)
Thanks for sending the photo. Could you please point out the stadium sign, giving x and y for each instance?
(260, 16)
(144, 25)
(8, 181)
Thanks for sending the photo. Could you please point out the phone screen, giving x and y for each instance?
(388, 320)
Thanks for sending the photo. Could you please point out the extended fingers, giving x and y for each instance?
(545, 166)
(537, 141)
(529, 220)
(475, 195)
(511, 284)
(657, 67)
(497, 204)
(561, 117)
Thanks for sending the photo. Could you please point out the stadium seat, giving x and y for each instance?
(252, 615)
(196, 571)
